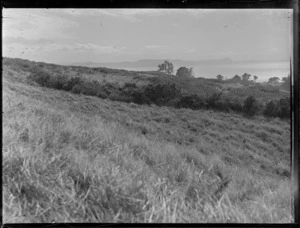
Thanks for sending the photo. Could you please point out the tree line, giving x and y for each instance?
(168, 68)
(160, 94)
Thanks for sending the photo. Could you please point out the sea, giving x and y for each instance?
(263, 70)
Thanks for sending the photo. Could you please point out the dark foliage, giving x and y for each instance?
(220, 77)
(237, 78)
(72, 83)
(246, 76)
(280, 108)
(185, 72)
(271, 109)
(234, 106)
(166, 67)
(160, 94)
(284, 108)
(251, 106)
(192, 102)
(40, 76)
(273, 80)
(213, 101)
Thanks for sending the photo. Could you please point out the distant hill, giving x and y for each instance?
(151, 63)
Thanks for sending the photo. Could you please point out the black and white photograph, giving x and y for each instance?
(144, 115)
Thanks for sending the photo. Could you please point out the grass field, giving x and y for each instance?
(76, 158)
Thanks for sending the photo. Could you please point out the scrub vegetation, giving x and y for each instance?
(75, 157)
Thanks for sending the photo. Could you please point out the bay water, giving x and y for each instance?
(263, 70)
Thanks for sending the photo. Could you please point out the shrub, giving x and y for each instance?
(57, 82)
(234, 106)
(191, 101)
(277, 108)
(130, 85)
(213, 99)
(270, 109)
(284, 108)
(40, 76)
(129, 89)
(251, 106)
(71, 83)
(161, 94)
(76, 89)
(139, 97)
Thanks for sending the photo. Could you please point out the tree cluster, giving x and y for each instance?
(274, 80)
(184, 72)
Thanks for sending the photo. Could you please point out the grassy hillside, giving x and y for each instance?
(157, 88)
(198, 86)
(75, 158)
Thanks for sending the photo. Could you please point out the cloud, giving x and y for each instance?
(155, 46)
(53, 52)
(94, 48)
(24, 41)
(85, 48)
(127, 14)
(36, 23)
(191, 50)
(134, 15)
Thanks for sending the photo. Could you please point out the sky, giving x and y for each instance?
(113, 35)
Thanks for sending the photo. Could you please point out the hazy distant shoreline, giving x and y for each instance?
(209, 68)
(155, 62)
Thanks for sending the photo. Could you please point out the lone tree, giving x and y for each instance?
(255, 77)
(220, 77)
(273, 80)
(166, 67)
(185, 72)
(237, 78)
(246, 77)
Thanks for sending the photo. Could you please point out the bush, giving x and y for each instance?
(141, 98)
(76, 89)
(57, 82)
(40, 76)
(281, 108)
(191, 101)
(161, 94)
(213, 100)
(72, 83)
(234, 106)
(284, 108)
(130, 85)
(251, 106)
(270, 109)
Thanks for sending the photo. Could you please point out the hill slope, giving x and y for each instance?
(198, 86)
(76, 158)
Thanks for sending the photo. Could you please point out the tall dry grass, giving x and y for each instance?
(71, 158)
